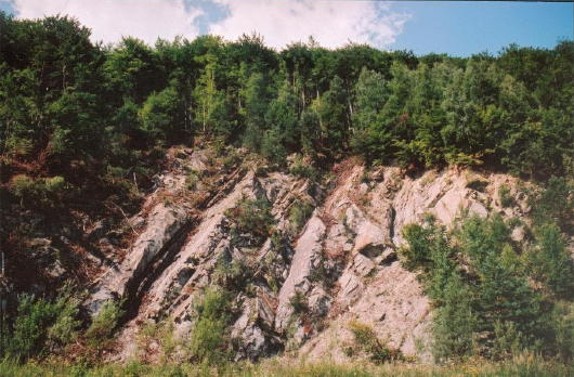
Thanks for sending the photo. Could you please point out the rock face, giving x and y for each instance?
(302, 286)
(160, 233)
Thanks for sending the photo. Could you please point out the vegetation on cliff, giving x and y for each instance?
(84, 129)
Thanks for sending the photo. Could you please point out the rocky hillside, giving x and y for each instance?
(114, 250)
(324, 260)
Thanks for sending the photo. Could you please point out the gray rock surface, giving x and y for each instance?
(304, 289)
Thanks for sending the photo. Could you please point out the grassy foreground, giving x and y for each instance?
(519, 367)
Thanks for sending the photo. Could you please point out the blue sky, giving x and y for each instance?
(464, 28)
(456, 28)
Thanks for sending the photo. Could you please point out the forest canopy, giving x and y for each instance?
(70, 108)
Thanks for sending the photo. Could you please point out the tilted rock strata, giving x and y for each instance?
(341, 267)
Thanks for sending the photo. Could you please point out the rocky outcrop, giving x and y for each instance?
(304, 285)
(306, 259)
(162, 232)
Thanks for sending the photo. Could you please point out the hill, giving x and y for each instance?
(213, 201)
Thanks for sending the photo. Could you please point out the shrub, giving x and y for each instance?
(299, 303)
(22, 186)
(563, 326)
(41, 192)
(30, 326)
(418, 254)
(555, 204)
(550, 262)
(252, 217)
(65, 327)
(366, 340)
(160, 333)
(454, 322)
(54, 184)
(499, 287)
(485, 301)
(191, 180)
(17, 146)
(508, 340)
(303, 169)
(104, 324)
(231, 159)
(427, 246)
(210, 342)
(41, 323)
(506, 199)
(299, 212)
(477, 184)
(232, 274)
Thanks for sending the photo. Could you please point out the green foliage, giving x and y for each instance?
(299, 303)
(550, 262)
(428, 110)
(504, 196)
(371, 94)
(77, 131)
(77, 110)
(477, 184)
(301, 167)
(209, 341)
(283, 136)
(555, 203)
(104, 324)
(502, 292)
(563, 326)
(191, 180)
(455, 321)
(161, 333)
(233, 275)
(65, 327)
(41, 325)
(256, 102)
(334, 119)
(272, 147)
(506, 298)
(162, 115)
(526, 366)
(252, 217)
(30, 326)
(428, 251)
(299, 213)
(482, 240)
(22, 185)
(508, 340)
(481, 286)
(39, 192)
(367, 340)
(80, 120)
(418, 254)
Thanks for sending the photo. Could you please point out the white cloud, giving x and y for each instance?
(331, 23)
(110, 20)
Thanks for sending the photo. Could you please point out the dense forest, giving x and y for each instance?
(84, 127)
(69, 107)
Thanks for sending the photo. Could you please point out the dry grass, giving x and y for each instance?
(524, 366)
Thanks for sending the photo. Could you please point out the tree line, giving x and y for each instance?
(69, 106)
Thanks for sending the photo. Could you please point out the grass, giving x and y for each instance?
(523, 367)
